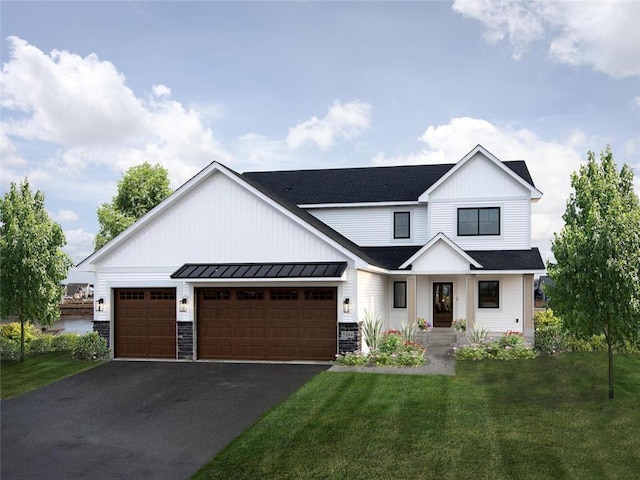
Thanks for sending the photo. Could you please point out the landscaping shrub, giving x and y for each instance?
(550, 337)
(40, 344)
(64, 342)
(391, 341)
(12, 331)
(10, 349)
(352, 359)
(90, 346)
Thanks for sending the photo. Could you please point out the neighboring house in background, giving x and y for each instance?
(282, 265)
(539, 289)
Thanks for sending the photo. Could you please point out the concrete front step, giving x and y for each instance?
(437, 337)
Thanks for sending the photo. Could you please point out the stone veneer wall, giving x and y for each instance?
(104, 329)
(185, 340)
(349, 337)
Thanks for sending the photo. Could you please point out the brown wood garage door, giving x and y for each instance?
(145, 323)
(267, 323)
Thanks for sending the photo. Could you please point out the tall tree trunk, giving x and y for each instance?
(610, 371)
(21, 339)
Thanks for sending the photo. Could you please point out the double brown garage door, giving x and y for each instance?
(267, 323)
(297, 323)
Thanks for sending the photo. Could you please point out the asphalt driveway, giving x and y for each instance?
(126, 420)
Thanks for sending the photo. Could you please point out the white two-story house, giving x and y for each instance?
(283, 265)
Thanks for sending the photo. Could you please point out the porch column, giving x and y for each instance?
(527, 314)
(471, 301)
(411, 300)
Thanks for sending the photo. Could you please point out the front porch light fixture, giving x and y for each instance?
(184, 304)
(346, 306)
(100, 305)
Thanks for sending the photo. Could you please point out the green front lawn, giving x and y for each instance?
(38, 370)
(546, 418)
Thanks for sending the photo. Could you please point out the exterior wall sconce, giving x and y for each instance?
(100, 305)
(346, 306)
(184, 305)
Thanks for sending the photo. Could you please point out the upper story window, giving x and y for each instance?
(401, 225)
(479, 221)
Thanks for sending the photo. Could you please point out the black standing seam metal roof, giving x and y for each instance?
(261, 270)
(357, 185)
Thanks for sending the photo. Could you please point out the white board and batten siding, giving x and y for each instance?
(440, 257)
(373, 294)
(481, 183)
(221, 222)
(503, 319)
(373, 226)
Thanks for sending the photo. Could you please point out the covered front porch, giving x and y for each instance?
(497, 302)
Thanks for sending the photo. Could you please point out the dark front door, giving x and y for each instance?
(442, 304)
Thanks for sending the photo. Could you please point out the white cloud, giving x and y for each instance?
(603, 34)
(550, 162)
(83, 108)
(636, 101)
(342, 121)
(65, 216)
(79, 244)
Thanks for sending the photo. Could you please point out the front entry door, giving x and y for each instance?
(442, 304)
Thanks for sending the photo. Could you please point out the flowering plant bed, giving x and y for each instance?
(393, 351)
(511, 345)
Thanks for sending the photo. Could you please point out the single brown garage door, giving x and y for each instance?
(267, 323)
(145, 323)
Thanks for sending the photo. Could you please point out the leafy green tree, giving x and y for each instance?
(32, 262)
(597, 269)
(141, 188)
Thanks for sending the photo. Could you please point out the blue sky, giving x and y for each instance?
(89, 89)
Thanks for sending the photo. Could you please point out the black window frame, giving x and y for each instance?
(398, 296)
(485, 303)
(478, 234)
(395, 225)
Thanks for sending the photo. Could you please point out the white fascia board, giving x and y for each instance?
(440, 237)
(535, 193)
(180, 192)
(507, 272)
(255, 281)
(430, 272)
(310, 206)
(373, 269)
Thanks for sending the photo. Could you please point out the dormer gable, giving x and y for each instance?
(480, 174)
(440, 255)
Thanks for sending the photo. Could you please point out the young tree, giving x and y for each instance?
(597, 269)
(142, 187)
(32, 264)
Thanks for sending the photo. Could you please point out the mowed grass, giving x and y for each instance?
(547, 418)
(38, 370)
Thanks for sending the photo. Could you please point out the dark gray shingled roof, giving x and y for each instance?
(392, 257)
(508, 259)
(356, 185)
